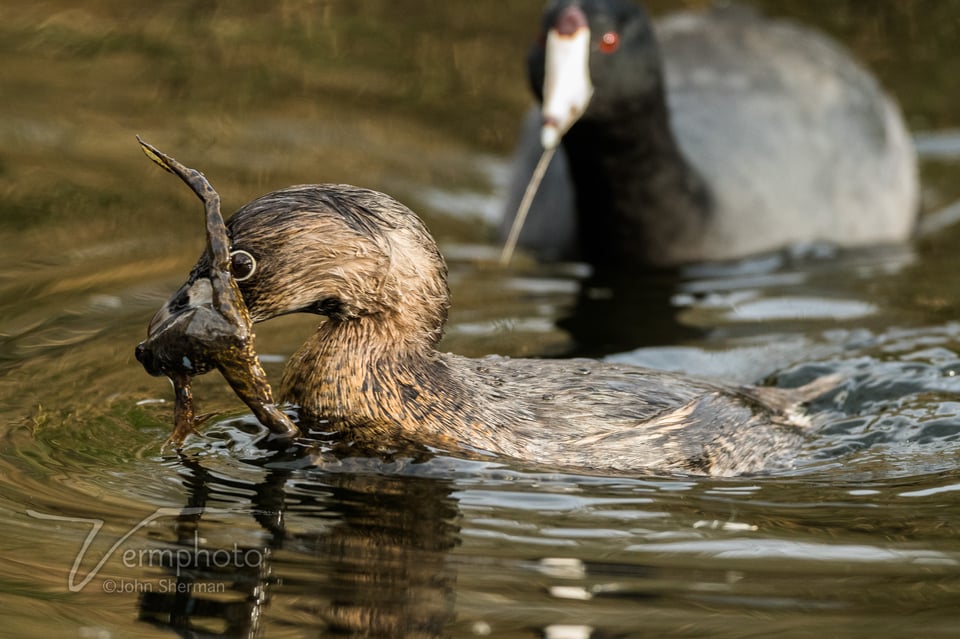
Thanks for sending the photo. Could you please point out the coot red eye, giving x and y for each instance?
(242, 265)
(609, 42)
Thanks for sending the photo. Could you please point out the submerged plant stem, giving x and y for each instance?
(532, 186)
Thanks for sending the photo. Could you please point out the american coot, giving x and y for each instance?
(368, 264)
(711, 136)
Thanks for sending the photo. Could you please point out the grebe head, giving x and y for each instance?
(350, 254)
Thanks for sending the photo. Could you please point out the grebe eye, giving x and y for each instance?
(609, 42)
(242, 265)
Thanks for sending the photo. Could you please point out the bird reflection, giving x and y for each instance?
(374, 564)
(619, 313)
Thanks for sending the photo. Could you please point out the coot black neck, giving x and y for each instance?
(638, 199)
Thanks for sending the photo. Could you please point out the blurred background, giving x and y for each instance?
(409, 98)
(422, 100)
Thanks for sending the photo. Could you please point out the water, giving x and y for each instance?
(423, 100)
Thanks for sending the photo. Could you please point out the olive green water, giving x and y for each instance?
(423, 99)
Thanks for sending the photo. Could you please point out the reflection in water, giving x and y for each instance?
(199, 569)
(612, 316)
(795, 289)
(370, 561)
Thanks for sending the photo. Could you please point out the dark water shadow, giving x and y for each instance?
(615, 313)
(374, 564)
(619, 311)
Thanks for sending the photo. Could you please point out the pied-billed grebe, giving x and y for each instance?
(750, 135)
(368, 264)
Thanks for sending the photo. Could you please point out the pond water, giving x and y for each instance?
(106, 536)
